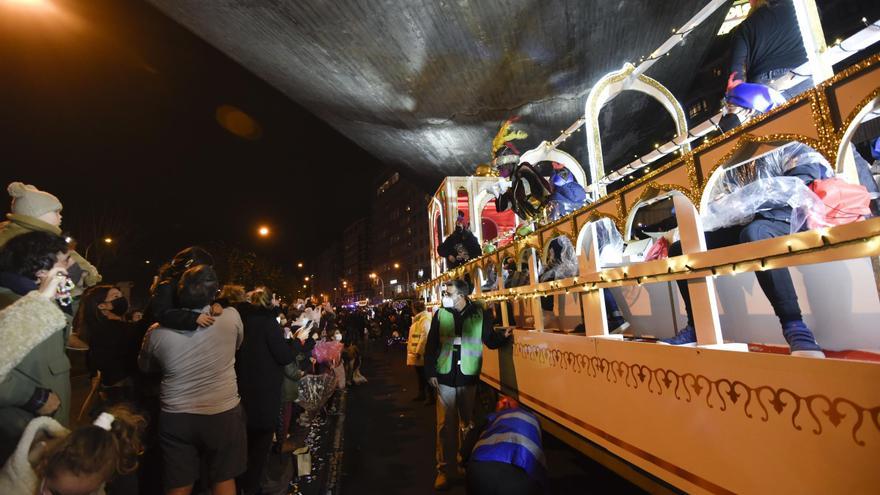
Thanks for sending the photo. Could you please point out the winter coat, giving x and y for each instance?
(163, 309)
(22, 224)
(259, 365)
(418, 339)
(45, 367)
(113, 350)
(462, 245)
(571, 193)
(25, 324)
(18, 476)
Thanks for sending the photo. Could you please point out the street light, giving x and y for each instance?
(306, 279)
(108, 240)
(263, 231)
(299, 265)
(397, 265)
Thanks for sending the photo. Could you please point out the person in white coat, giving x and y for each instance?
(415, 351)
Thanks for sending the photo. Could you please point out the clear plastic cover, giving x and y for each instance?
(561, 260)
(611, 243)
(761, 186)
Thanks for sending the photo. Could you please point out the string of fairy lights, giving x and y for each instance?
(675, 269)
(837, 52)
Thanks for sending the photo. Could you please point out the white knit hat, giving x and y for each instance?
(30, 201)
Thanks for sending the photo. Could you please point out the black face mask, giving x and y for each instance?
(119, 306)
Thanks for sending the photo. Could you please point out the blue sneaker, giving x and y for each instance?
(617, 324)
(801, 340)
(686, 335)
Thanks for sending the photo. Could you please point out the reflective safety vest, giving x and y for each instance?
(471, 341)
(513, 436)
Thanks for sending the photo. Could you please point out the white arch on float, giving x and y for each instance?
(436, 207)
(661, 195)
(611, 85)
(545, 151)
(842, 164)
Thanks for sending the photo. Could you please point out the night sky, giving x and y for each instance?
(113, 107)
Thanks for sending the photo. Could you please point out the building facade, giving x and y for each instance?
(398, 236)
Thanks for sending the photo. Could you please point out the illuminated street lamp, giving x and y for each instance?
(299, 265)
(263, 231)
(108, 240)
(306, 279)
(397, 265)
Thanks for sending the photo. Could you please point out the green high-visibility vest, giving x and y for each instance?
(471, 342)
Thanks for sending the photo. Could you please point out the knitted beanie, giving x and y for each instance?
(30, 201)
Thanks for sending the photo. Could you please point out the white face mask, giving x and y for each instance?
(314, 336)
(338, 337)
(448, 302)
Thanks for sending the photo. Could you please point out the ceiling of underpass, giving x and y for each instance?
(424, 84)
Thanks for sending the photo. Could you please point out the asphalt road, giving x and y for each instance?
(389, 440)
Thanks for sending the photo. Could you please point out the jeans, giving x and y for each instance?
(455, 417)
(768, 79)
(776, 284)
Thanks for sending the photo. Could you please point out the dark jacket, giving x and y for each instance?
(113, 349)
(304, 349)
(259, 366)
(807, 172)
(461, 244)
(491, 338)
(769, 39)
(163, 308)
(571, 193)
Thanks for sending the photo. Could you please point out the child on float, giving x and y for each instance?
(51, 460)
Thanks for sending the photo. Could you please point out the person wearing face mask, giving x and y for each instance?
(453, 358)
(259, 368)
(460, 246)
(39, 384)
(113, 342)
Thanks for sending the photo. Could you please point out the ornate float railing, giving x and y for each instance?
(823, 118)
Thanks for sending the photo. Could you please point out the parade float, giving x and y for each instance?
(733, 413)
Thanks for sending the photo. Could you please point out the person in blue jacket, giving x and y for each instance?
(507, 456)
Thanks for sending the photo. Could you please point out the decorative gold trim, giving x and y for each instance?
(841, 131)
(827, 144)
(747, 139)
(723, 393)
